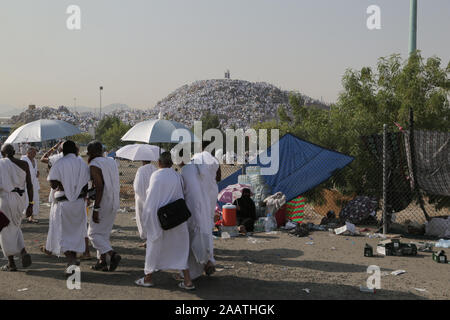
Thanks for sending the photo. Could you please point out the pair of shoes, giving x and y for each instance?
(115, 260)
(7, 268)
(183, 286)
(26, 260)
(100, 266)
(141, 283)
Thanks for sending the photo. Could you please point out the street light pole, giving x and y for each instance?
(101, 88)
(413, 27)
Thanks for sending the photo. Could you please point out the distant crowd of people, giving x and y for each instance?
(85, 199)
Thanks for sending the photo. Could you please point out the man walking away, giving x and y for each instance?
(105, 179)
(141, 184)
(166, 249)
(200, 224)
(69, 177)
(14, 176)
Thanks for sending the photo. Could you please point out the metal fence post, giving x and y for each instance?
(384, 179)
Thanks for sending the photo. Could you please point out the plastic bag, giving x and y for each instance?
(270, 223)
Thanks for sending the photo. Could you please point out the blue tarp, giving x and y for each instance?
(302, 166)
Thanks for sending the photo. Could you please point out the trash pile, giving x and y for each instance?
(361, 210)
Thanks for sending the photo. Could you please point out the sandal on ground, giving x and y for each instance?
(210, 270)
(7, 268)
(100, 266)
(115, 259)
(141, 283)
(26, 260)
(183, 286)
(44, 250)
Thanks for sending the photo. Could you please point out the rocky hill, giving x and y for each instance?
(236, 102)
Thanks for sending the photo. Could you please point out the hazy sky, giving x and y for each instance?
(141, 50)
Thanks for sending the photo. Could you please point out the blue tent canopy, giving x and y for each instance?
(302, 166)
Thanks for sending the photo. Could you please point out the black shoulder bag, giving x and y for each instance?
(173, 214)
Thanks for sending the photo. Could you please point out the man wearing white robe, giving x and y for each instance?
(166, 249)
(105, 178)
(200, 225)
(14, 178)
(69, 177)
(141, 184)
(209, 173)
(30, 158)
(209, 168)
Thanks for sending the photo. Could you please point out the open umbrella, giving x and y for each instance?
(232, 192)
(42, 130)
(158, 131)
(139, 152)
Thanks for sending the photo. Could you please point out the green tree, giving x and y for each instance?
(371, 98)
(82, 138)
(111, 138)
(104, 125)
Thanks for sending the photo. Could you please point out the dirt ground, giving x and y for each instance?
(265, 266)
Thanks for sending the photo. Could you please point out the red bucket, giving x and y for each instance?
(229, 215)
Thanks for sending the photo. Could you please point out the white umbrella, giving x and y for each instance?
(158, 131)
(139, 152)
(42, 130)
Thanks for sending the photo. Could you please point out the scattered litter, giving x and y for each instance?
(349, 228)
(47, 204)
(134, 218)
(442, 244)
(424, 246)
(385, 273)
(310, 242)
(228, 267)
(333, 248)
(421, 290)
(219, 269)
(272, 232)
(398, 272)
(375, 235)
(306, 290)
(289, 225)
(115, 231)
(365, 289)
(122, 210)
(313, 227)
(24, 289)
(225, 235)
(249, 262)
(254, 240)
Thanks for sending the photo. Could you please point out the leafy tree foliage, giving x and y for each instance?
(371, 98)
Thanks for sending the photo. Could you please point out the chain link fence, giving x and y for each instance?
(406, 213)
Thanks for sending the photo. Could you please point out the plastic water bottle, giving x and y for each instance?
(443, 244)
(270, 224)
